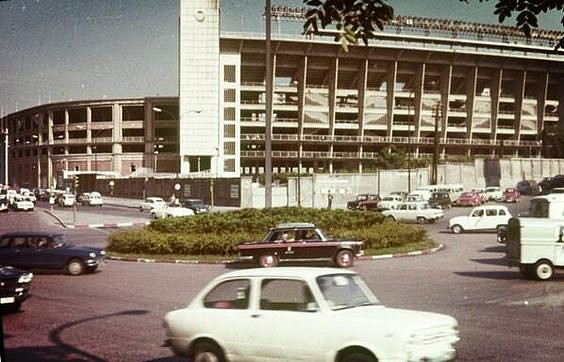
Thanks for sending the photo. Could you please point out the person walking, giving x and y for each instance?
(329, 199)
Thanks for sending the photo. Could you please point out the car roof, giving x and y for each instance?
(302, 272)
(294, 225)
(31, 233)
(489, 207)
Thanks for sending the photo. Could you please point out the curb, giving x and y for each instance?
(96, 226)
(182, 261)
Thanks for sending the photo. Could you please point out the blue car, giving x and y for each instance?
(45, 250)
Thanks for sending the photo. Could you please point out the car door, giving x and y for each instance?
(475, 219)
(9, 254)
(288, 309)
(309, 245)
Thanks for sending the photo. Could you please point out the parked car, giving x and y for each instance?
(23, 203)
(419, 211)
(14, 287)
(152, 202)
(303, 314)
(528, 187)
(390, 202)
(4, 205)
(511, 195)
(482, 193)
(92, 199)
(440, 199)
(27, 193)
(45, 250)
(481, 218)
(557, 190)
(402, 194)
(364, 202)
(545, 186)
(469, 199)
(170, 211)
(197, 205)
(66, 200)
(299, 242)
(493, 193)
(418, 195)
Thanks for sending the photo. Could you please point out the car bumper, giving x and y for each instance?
(94, 262)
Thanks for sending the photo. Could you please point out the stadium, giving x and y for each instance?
(423, 85)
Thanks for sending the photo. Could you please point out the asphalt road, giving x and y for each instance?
(116, 314)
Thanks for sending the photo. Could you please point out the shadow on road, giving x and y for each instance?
(491, 261)
(62, 351)
(494, 249)
(499, 275)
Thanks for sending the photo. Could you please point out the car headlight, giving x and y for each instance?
(92, 255)
(25, 278)
(102, 252)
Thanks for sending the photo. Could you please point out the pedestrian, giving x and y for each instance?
(329, 199)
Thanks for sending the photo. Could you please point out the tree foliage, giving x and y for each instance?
(358, 19)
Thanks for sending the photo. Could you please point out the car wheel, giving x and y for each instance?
(268, 261)
(456, 229)
(543, 270)
(501, 234)
(75, 267)
(391, 218)
(207, 352)
(357, 357)
(421, 220)
(344, 259)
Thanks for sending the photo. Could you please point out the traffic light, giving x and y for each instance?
(76, 182)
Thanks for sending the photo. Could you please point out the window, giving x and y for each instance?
(229, 131)
(478, 213)
(232, 294)
(501, 212)
(229, 95)
(229, 148)
(229, 165)
(413, 207)
(491, 212)
(19, 242)
(229, 114)
(286, 295)
(229, 73)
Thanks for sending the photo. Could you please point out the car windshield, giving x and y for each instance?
(342, 291)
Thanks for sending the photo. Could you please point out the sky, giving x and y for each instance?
(61, 50)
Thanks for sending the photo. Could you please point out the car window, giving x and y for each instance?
(4, 242)
(478, 213)
(19, 242)
(501, 212)
(412, 207)
(286, 295)
(403, 207)
(492, 212)
(345, 291)
(232, 294)
(309, 235)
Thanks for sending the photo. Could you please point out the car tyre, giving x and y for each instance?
(456, 229)
(421, 220)
(391, 218)
(75, 267)
(501, 234)
(344, 259)
(357, 357)
(544, 270)
(268, 261)
(207, 352)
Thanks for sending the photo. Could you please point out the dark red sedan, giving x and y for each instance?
(469, 199)
(511, 195)
(299, 242)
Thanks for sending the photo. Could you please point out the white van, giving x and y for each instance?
(93, 198)
(536, 245)
(549, 206)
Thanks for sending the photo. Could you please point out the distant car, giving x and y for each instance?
(493, 193)
(390, 202)
(92, 199)
(171, 211)
(303, 314)
(364, 202)
(440, 199)
(23, 203)
(482, 193)
(197, 205)
(4, 205)
(299, 242)
(403, 194)
(66, 200)
(14, 287)
(152, 202)
(528, 187)
(419, 211)
(511, 195)
(45, 250)
(469, 199)
(482, 218)
(557, 190)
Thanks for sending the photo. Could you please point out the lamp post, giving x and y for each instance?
(6, 147)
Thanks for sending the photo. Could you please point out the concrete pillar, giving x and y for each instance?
(519, 96)
(390, 89)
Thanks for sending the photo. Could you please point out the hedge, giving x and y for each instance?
(220, 233)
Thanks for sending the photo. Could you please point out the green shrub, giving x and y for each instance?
(220, 233)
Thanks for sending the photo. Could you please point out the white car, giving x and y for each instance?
(303, 314)
(493, 193)
(171, 211)
(23, 203)
(419, 211)
(390, 202)
(66, 200)
(151, 203)
(482, 218)
(92, 199)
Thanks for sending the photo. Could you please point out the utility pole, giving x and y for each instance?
(434, 172)
(268, 118)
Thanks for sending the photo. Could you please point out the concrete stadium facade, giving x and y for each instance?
(422, 85)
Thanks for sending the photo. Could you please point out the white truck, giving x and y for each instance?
(535, 245)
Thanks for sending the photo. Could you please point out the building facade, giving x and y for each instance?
(423, 85)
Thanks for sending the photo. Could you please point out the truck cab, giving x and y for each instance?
(536, 246)
(548, 206)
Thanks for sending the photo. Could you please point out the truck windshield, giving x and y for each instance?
(539, 208)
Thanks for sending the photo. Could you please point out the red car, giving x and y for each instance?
(469, 199)
(511, 195)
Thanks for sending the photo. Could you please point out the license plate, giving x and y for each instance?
(7, 300)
